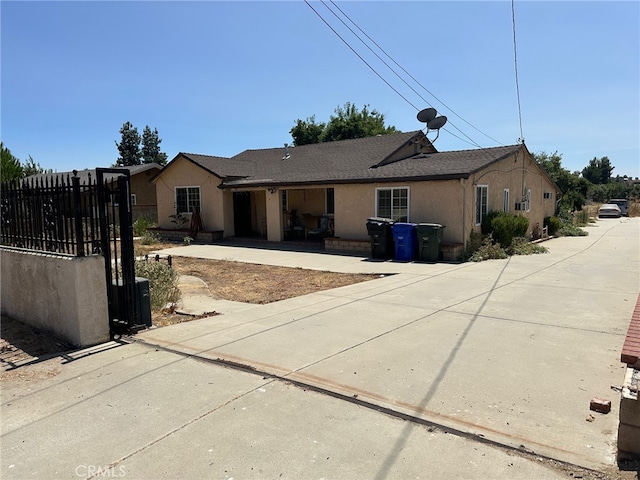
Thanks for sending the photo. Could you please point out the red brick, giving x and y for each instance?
(600, 405)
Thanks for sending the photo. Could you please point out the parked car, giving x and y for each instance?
(623, 203)
(609, 210)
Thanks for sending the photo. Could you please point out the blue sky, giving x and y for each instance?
(218, 78)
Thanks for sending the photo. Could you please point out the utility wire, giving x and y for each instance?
(358, 55)
(387, 65)
(515, 61)
(414, 79)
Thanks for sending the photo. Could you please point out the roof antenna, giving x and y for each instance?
(428, 116)
(286, 151)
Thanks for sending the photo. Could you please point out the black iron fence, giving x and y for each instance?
(51, 214)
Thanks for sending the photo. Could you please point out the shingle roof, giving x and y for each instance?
(84, 175)
(385, 157)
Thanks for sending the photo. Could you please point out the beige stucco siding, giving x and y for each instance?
(429, 202)
(183, 173)
(518, 173)
(144, 190)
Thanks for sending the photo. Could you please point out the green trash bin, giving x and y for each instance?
(429, 240)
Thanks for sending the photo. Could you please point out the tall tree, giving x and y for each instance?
(129, 146)
(30, 167)
(598, 171)
(10, 167)
(574, 188)
(151, 147)
(307, 131)
(348, 122)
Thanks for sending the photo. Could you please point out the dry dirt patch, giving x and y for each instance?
(249, 283)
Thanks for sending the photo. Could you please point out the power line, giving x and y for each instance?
(415, 80)
(515, 61)
(358, 55)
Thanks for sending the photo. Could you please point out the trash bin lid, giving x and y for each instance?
(403, 227)
(380, 220)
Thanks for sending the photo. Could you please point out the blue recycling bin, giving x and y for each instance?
(405, 238)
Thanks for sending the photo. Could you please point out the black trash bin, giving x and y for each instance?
(429, 240)
(379, 230)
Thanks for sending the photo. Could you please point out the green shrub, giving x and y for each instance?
(488, 251)
(582, 218)
(474, 243)
(163, 282)
(141, 225)
(570, 230)
(553, 224)
(149, 238)
(521, 246)
(504, 226)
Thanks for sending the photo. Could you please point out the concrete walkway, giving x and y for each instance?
(512, 350)
(507, 351)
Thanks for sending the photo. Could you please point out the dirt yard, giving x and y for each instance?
(250, 283)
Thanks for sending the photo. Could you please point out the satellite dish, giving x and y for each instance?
(427, 115)
(436, 123)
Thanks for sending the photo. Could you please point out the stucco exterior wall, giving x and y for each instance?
(429, 202)
(60, 294)
(518, 173)
(183, 173)
(144, 190)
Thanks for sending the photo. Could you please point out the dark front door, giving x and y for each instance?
(242, 214)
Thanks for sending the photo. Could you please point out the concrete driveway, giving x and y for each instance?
(427, 373)
(509, 350)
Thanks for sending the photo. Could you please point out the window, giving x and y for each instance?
(548, 195)
(187, 198)
(330, 207)
(482, 195)
(133, 199)
(393, 203)
(285, 200)
(505, 200)
(528, 200)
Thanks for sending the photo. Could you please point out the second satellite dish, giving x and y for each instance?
(437, 122)
(427, 115)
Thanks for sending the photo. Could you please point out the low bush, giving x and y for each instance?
(504, 227)
(488, 251)
(553, 224)
(521, 246)
(163, 282)
(141, 225)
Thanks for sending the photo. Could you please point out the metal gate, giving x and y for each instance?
(116, 234)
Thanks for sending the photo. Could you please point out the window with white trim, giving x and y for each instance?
(133, 199)
(187, 198)
(528, 200)
(548, 195)
(482, 202)
(284, 197)
(393, 203)
(505, 200)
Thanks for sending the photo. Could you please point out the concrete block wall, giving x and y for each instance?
(355, 247)
(62, 294)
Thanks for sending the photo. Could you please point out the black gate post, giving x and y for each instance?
(77, 211)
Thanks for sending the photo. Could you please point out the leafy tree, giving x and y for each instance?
(151, 147)
(307, 131)
(598, 171)
(129, 146)
(10, 168)
(30, 167)
(574, 187)
(347, 123)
